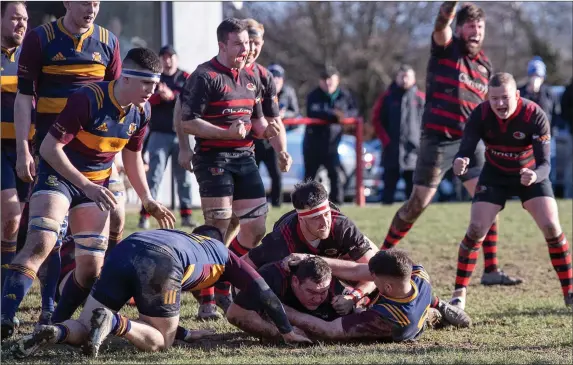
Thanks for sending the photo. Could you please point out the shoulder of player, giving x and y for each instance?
(44, 32)
(95, 93)
(418, 271)
(104, 36)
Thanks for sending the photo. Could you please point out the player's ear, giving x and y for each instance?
(517, 93)
(295, 281)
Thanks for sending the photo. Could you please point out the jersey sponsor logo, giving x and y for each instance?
(512, 155)
(52, 180)
(132, 128)
(236, 111)
(59, 57)
(544, 139)
(96, 56)
(518, 135)
(102, 127)
(251, 87)
(465, 79)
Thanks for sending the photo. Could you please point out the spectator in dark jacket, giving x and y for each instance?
(567, 105)
(397, 119)
(536, 89)
(288, 101)
(331, 104)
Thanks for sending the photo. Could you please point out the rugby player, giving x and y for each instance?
(155, 267)
(221, 295)
(14, 192)
(517, 136)
(404, 305)
(56, 59)
(221, 106)
(99, 120)
(458, 73)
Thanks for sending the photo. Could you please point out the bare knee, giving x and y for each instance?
(477, 230)
(414, 207)
(87, 273)
(10, 225)
(116, 220)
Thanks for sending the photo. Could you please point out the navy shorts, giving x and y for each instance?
(144, 271)
(495, 188)
(220, 177)
(49, 181)
(436, 156)
(10, 179)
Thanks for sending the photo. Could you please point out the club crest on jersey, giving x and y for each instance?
(482, 69)
(102, 127)
(251, 87)
(330, 251)
(480, 189)
(52, 180)
(518, 135)
(131, 129)
(96, 56)
(216, 171)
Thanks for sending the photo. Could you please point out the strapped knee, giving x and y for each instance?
(44, 224)
(218, 213)
(90, 244)
(250, 214)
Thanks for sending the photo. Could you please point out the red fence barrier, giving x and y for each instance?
(358, 133)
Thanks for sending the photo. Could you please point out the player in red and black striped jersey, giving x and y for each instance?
(517, 135)
(457, 77)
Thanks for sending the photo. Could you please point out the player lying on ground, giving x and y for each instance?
(154, 267)
(313, 227)
(399, 313)
(99, 120)
(517, 136)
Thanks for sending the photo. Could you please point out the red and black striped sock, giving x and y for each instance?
(398, 230)
(238, 249)
(490, 249)
(467, 258)
(561, 261)
(207, 295)
(185, 212)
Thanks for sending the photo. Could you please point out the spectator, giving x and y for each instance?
(331, 104)
(288, 101)
(397, 119)
(162, 142)
(567, 117)
(536, 89)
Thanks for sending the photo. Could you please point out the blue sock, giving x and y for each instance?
(120, 325)
(18, 280)
(64, 332)
(181, 333)
(49, 275)
(72, 297)
(8, 253)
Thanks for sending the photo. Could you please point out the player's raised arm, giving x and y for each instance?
(443, 34)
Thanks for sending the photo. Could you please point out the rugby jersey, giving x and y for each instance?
(95, 128)
(59, 63)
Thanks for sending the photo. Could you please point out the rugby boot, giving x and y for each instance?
(100, 323)
(499, 277)
(434, 319)
(7, 326)
(30, 344)
(44, 320)
(208, 311)
(223, 301)
(459, 298)
(188, 222)
(454, 315)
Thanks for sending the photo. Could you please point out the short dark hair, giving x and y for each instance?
(209, 231)
(502, 78)
(468, 13)
(393, 262)
(143, 59)
(230, 25)
(5, 4)
(405, 68)
(308, 194)
(313, 268)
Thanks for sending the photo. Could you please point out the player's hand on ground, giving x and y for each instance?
(343, 304)
(461, 165)
(184, 159)
(285, 161)
(296, 336)
(237, 130)
(25, 167)
(272, 130)
(102, 196)
(164, 217)
(293, 260)
(195, 335)
(528, 176)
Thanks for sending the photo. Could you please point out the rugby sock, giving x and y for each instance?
(120, 325)
(73, 295)
(435, 302)
(18, 281)
(49, 276)
(207, 295)
(238, 249)
(561, 261)
(398, 230)
(223, 288)
(64, 332)
(490, 249)
(182, 333)
(114, 239)
(467, 258)
(185, 212)
(8, 253)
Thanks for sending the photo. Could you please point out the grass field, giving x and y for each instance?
(524, 324)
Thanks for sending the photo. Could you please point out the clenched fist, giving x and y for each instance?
(461, 165)
(237, 130)
(528, 176)
(272, 130)
(285, 161)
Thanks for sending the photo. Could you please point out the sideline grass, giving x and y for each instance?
(524, 324)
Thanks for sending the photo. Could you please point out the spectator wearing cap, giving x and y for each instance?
(397, 120)
(162, 140)
(288, 101)
(332, 104)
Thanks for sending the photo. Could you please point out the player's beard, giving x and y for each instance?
(472, 48)
(11, 41)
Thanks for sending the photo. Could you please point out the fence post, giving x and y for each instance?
(360, 199)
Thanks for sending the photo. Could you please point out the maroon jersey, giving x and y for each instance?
(521, 141)
(455, 85)
(286, 238)
(269, 94)
(280, 283)
(220, 95)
